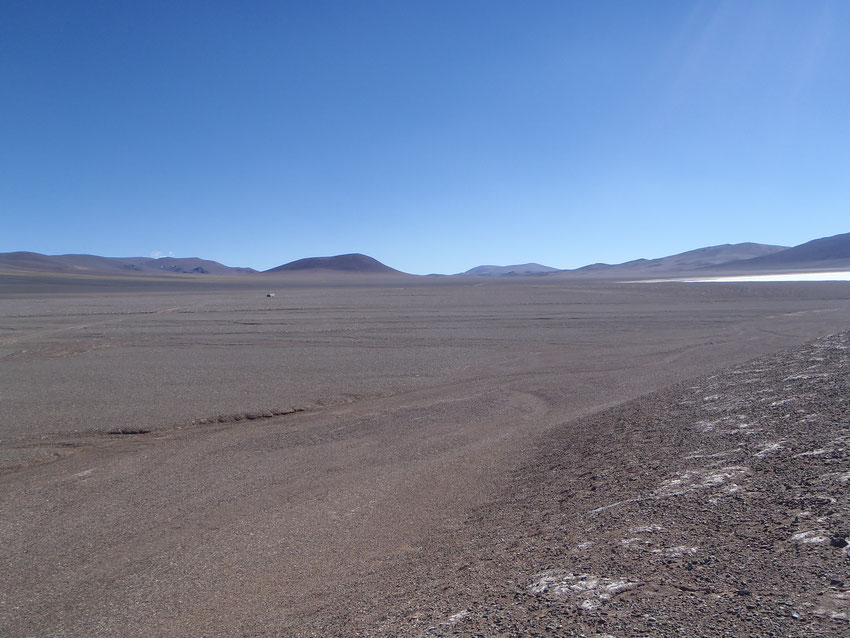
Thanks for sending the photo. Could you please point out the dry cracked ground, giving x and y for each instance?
(506, 459)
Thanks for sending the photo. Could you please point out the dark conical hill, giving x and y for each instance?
(353, 262)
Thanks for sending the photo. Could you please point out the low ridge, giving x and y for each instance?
(689, 261)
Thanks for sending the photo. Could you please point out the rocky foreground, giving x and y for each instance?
(719, 507)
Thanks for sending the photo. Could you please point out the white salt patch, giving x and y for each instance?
(706, 426)
(812, 453)
(683, 483)
(697, 455)
(835, 615)
(811, 536)
(458, 616)
(782, 401)
(585, 545)
(646, 528)
(677, 551)
(631, 542)
(834, 604)
(835, 275)
(769, 448)
(697, 479)
(617, 504)
(560, 584)
(615, 587)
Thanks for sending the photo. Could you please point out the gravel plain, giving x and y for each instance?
(422, 457)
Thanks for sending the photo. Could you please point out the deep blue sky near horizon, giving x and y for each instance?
(433, 136)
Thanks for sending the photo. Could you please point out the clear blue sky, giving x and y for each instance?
(432, 135)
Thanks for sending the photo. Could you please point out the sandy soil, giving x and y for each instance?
(397, 460)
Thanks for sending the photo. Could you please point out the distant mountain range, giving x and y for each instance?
(95, 265)
(662, 266)
(746, 258)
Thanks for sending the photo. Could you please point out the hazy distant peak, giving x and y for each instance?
(502, 271)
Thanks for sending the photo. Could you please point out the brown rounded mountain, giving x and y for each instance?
(354, 262)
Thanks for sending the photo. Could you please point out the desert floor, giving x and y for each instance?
(440, 458)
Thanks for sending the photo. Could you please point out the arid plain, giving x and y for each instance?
(198, 459)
